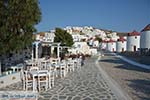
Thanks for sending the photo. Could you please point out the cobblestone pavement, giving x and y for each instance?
(82, 84)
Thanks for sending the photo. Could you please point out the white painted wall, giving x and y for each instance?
(121, 45)
(9, 79)
(80, 47)
(95, 43)
(133, 41)
(145, 39)
(103, 45)
(111, 46)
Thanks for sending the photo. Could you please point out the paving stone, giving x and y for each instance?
(84, 83)
(87, 98)
(54, 99)
(62, 97)
(77, 98)
(95, 99)
(47, 96)
(69, 98)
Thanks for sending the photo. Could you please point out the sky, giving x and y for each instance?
(116, 15)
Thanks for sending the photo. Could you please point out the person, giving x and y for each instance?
(82, 59)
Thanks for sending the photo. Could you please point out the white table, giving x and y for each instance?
(35, 74)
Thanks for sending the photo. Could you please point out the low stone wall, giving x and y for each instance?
(9, 79)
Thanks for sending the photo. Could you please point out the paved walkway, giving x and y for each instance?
(132, 62)
(134, 81)
(82, 84)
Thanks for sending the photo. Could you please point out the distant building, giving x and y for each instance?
(45, 36)
(121, 44)
(145, 39)
(80, 48)
(104, 44)
(111, 45)
(96, 43)
(49, 37)
(133, 41)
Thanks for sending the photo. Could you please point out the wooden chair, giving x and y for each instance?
(27, 80)
(43, 80)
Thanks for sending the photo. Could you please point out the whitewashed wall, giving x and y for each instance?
(9, 79)
(133, 41)
(145, 39)
(121, 45)
(111, 46)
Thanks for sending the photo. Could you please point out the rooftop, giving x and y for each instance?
(134, 33)
(147, 28)
(121, 39)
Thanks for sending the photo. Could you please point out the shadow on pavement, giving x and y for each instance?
(141, 88)
(115, 61)
(132, 67)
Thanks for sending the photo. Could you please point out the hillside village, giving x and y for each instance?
(85, 41)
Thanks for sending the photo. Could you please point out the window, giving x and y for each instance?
(79, 46)
(135, 37)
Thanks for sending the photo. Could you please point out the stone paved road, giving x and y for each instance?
(82, 84)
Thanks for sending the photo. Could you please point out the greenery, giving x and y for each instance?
(17, 21)
(64, 38)
(98, 39)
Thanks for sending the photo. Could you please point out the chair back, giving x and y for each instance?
(34, 68)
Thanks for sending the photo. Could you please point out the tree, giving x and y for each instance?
(98, 39)
(64, 38)
(17, 21)
(3, 16)
(18, 18)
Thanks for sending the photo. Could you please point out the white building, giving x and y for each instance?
(114, 36)
(133, 41)
(111, 45)
(77, 37)
(121, 45)
(49, 37)
(145, 38)
(39, 36)
(104, 44)
(45, 36)
(80, 48)
(96, 43)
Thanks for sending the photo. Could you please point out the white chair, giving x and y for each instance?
(63, 69)
(54, 60)
(45, 64)
(43, 80)
(51, 78)
(27, 80)
(79, 62)
(33, 68)
(51, 74)
(70, 65)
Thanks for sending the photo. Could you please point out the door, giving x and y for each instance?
(122, 49)
(134, 48)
